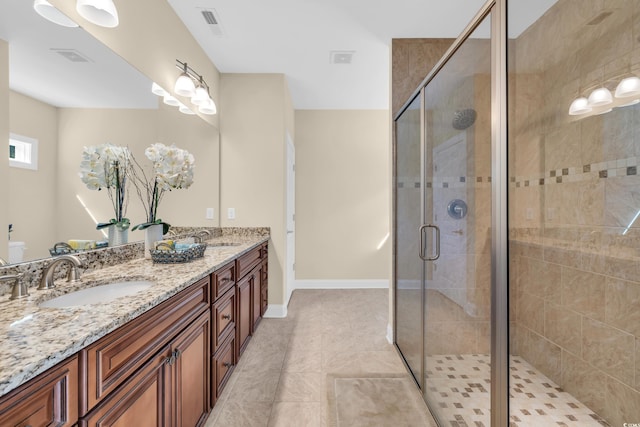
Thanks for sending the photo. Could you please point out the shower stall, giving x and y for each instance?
(517, 219)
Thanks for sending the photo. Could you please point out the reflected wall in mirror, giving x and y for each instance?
(67, 91)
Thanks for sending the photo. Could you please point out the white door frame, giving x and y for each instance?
(290, 223)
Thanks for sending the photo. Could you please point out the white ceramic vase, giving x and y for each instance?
(152, 235)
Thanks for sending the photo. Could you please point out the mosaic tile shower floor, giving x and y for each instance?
(460, 387)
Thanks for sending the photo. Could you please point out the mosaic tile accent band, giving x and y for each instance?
(460, 384)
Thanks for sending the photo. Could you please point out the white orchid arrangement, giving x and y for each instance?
(172, 170)
(108, 166)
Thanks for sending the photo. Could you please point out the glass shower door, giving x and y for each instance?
(409, 290)
(457, 205)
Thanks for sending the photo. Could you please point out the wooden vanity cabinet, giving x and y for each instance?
(51, 399)
(243, 328)
(172, 388)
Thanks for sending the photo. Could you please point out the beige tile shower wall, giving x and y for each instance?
(4, 147)
(574, 195)
(342, 194)
(412, 60)
(31, 190)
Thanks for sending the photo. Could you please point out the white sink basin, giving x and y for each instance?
(97, 294)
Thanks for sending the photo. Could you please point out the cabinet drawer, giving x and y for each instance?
(223, 365)
(223, 280)
(248, 261)
(111, 360)
(50, 399)
(224, 318)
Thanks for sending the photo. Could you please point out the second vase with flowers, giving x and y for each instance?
(172, 169)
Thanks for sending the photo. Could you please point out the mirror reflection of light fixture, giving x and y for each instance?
(99, 12)
(579, 106)
(628, 88)
(600, 97)
(50, 13)
(185, 110)
(158, 90)
(171, 100)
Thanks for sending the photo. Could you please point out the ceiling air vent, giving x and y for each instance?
(213, 22)
(341, 56)
(72, 55)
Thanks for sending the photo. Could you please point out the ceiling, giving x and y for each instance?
(292, 37)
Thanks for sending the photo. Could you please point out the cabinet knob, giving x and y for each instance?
(176, 353)
(227, 364)
(226, 316)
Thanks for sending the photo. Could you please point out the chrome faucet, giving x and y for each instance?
(19, 289)
(47, 281)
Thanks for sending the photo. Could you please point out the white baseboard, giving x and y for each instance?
(389, 333)
(342, 284)
(276, 311)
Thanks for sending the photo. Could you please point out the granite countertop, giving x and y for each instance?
(34, 339)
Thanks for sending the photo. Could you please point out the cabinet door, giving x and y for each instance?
(141, 401)
(264, 285)
(256, 298)
(50, 399)
(190, 351)
(243, 326)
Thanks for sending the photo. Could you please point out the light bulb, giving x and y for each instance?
(579, 106)
(158, 90)
(170, 100)
(99, 12)
(208, 107)
(628, 87)
(50, 13)
(184, 86)
(600, 97)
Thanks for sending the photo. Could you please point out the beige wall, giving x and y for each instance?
(160, 38)
(4, 137)
(342, 194)
(136, 129)
(32, 193)
(253, 122)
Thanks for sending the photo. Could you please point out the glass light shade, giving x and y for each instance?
(170, 100)
(185, 110)
(50, 13)
(628, 87)
(600, 97)
(579, 106)
(184, 86)
(208, 107)
(99, 12)
(158, 90)
(201, 95)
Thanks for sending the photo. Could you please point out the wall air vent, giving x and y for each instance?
(212, 20)
(341, 56)
(72, 55)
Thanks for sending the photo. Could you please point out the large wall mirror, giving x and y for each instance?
(67, 91)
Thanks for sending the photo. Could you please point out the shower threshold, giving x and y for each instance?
(459, 386)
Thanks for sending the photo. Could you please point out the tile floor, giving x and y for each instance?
(328, 364)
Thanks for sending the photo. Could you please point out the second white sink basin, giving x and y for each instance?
(97, 294)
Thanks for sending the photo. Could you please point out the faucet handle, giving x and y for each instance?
(19, 289)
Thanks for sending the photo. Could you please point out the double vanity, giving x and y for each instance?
(159, 355)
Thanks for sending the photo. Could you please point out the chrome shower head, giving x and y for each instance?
(462, 119)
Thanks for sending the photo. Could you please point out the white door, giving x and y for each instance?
(291, 217)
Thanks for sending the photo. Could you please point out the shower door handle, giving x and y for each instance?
(436, 255)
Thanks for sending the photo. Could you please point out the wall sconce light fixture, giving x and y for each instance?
(99, 12)
(191, 85)
(50, 13)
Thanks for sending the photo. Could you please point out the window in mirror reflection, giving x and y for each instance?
(23, 152)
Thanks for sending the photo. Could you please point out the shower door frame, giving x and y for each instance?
(499, 193)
